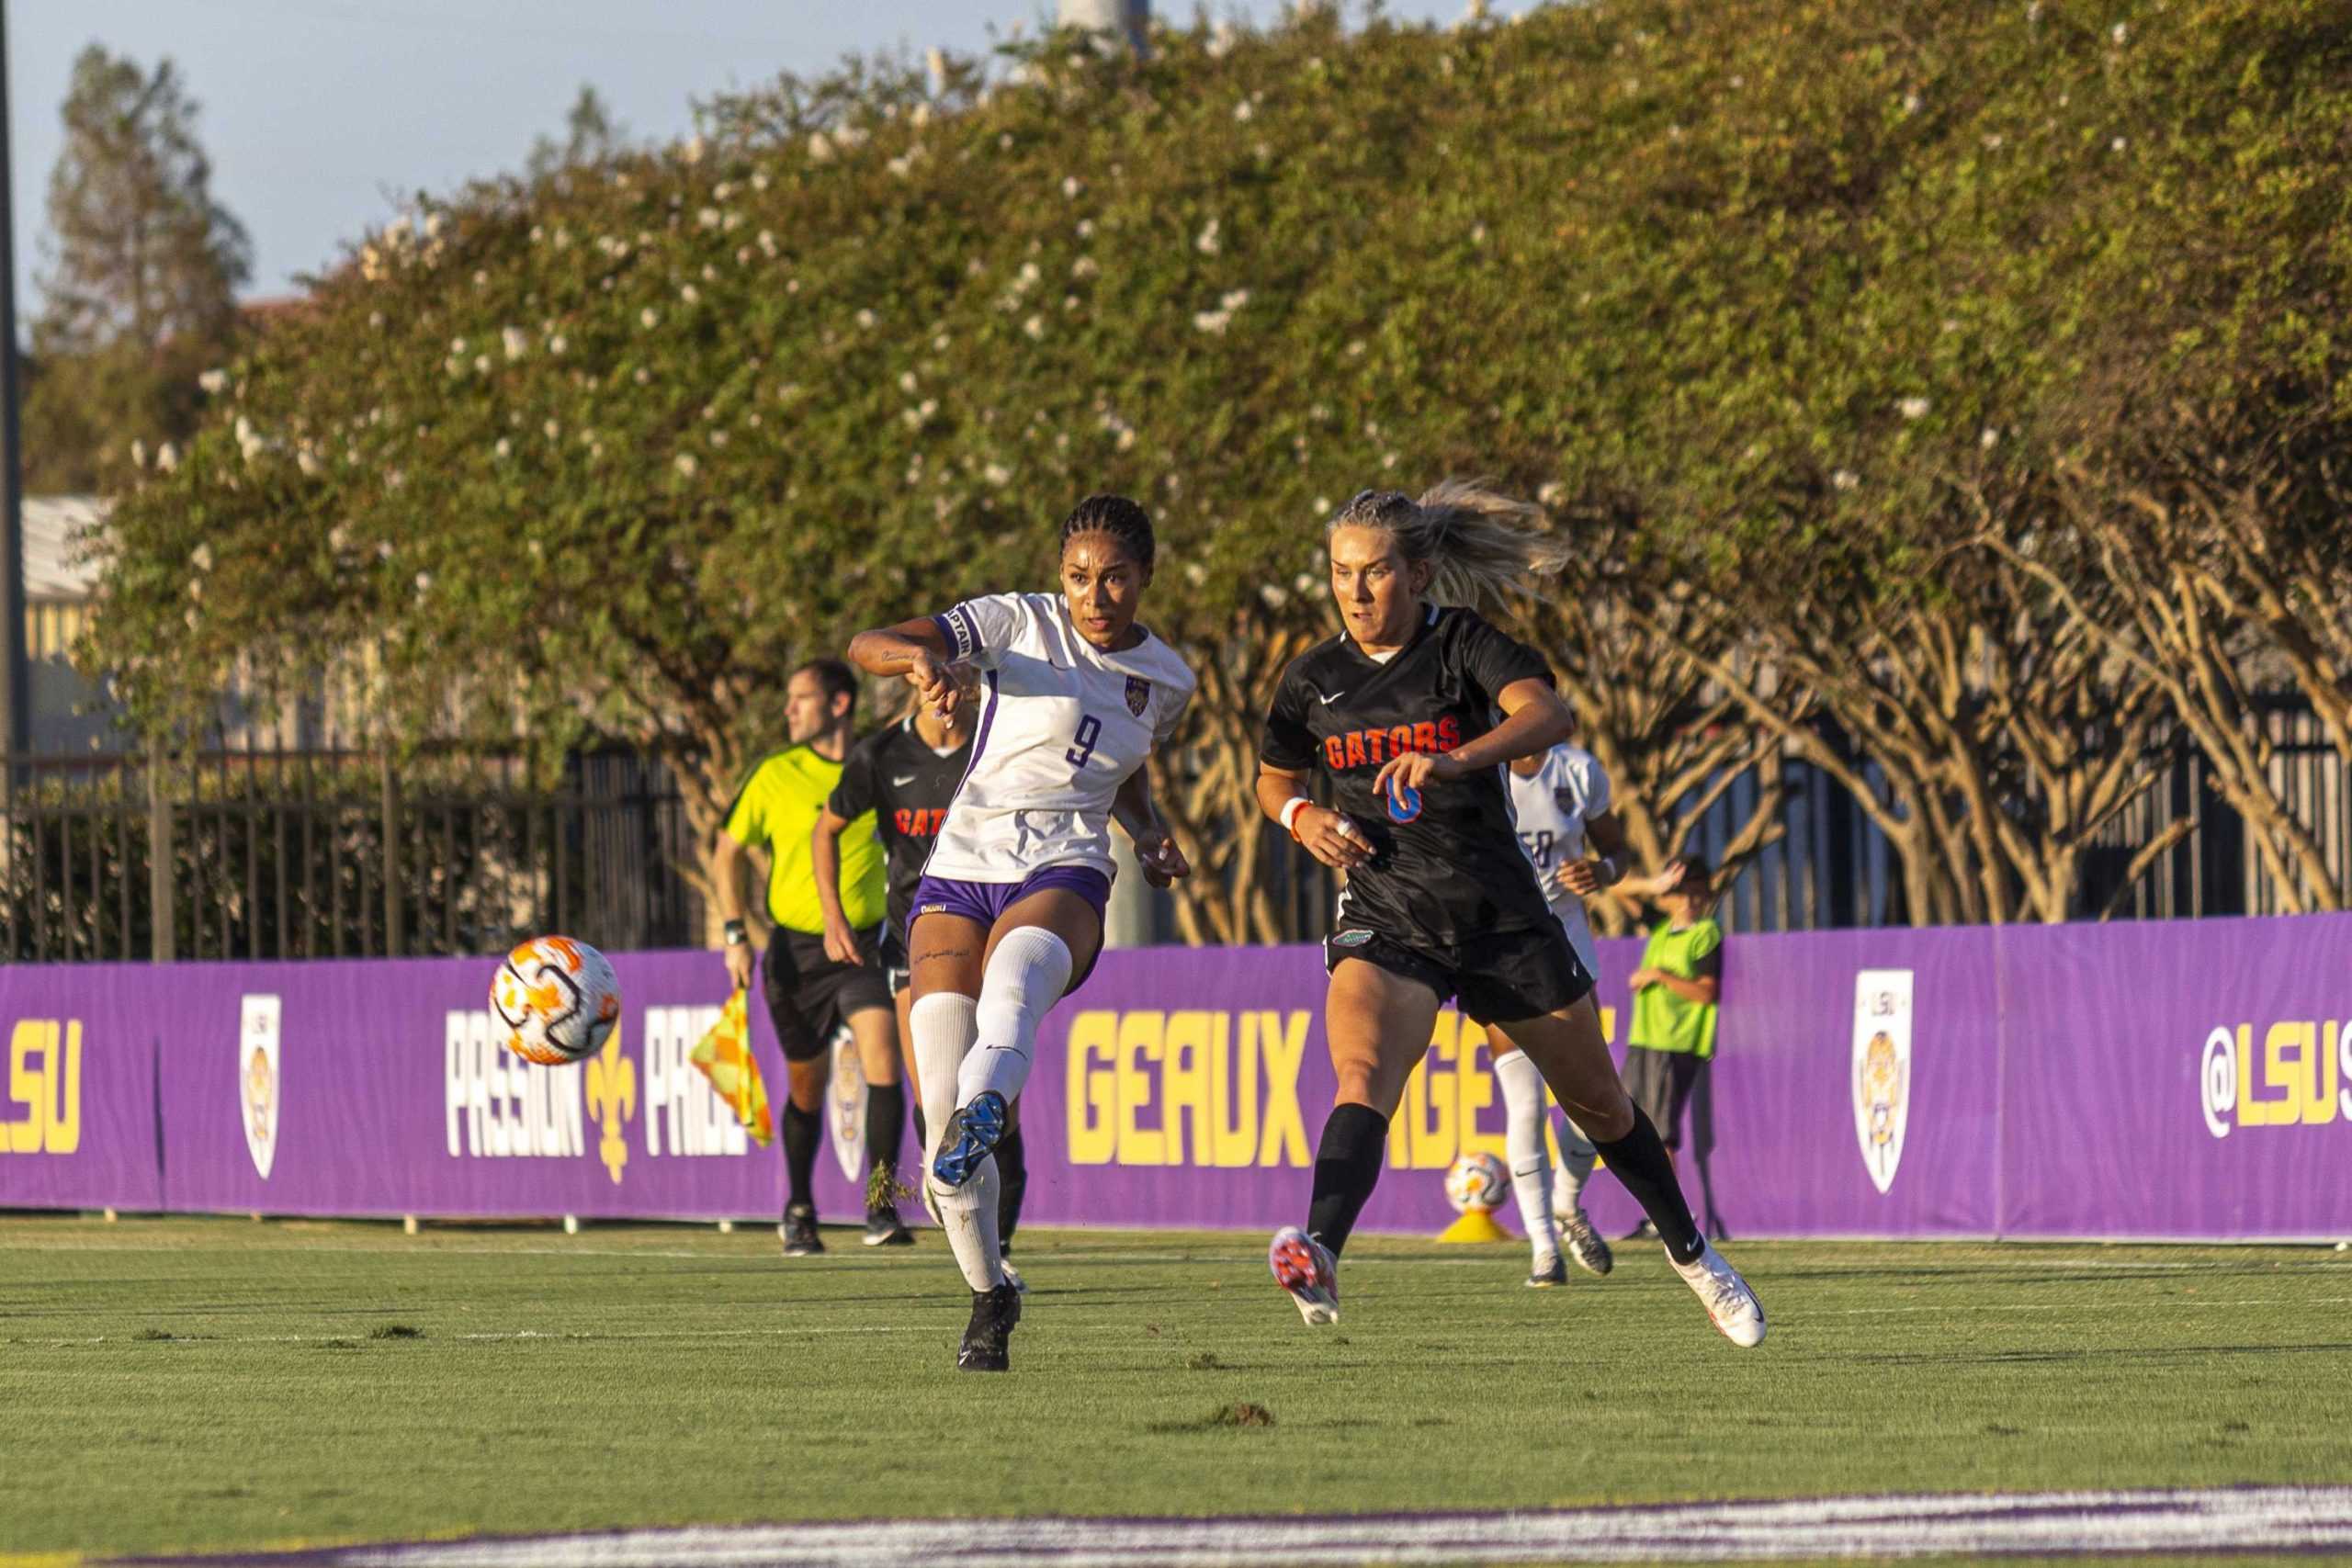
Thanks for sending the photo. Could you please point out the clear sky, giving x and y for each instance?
(319, 114)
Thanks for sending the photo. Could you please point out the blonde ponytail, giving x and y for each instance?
(1481, 543)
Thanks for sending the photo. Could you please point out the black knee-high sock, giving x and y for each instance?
(885, 1125)
(802, 1130)
(1013, 1180)
(1347, 1168)
(1640, 1161)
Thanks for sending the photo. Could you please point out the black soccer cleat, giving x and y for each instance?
(987, 1336)
(882, 1227)
(799, 1232)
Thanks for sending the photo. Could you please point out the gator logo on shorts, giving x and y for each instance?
(1350, 939)
(1138, 694)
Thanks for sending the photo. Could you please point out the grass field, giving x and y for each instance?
(212, 1383)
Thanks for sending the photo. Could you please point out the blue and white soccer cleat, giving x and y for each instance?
(1305, 1266)
(970, 1136)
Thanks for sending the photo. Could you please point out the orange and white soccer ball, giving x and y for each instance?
(1477, 1181)
(558, 999)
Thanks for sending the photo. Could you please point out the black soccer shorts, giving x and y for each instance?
(1498, 979)
(809, 996)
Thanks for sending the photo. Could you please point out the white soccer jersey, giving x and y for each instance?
(1552, 808)
(1062, 725)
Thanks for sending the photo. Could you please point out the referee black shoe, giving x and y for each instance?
(969, 1138)
(987, 1337)
(882, 1227)
(799, 1232)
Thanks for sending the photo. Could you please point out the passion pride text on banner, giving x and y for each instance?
(2172, 1080)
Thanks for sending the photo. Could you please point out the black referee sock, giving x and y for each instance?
(1347, 1168)
(885, 1126)
(1013, 1180)
(802, 1130)
(1641, 1162)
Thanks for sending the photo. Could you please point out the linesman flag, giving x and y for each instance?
(725, 1058)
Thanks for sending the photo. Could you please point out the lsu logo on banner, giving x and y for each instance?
(1882, 1076)
(257, 1097)
(43, 1115)
(2304, 1078)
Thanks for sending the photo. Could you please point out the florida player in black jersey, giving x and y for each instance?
(906, 774)
(1411, 712)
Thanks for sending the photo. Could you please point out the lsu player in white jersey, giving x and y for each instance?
(1560, 800)
(1074, 696)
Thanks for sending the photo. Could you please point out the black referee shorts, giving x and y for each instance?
(809, 996)
(1660, 1082)
(1497, 979)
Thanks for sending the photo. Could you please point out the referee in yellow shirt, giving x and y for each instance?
(809, 996)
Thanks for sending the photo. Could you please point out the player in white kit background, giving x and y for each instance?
(1561, 803)
(1074, 696)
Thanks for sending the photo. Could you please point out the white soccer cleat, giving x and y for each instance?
(1011, 1275)
(1737, 1315)
(1305, 1266)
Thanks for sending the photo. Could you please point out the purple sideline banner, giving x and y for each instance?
(2189, 1079)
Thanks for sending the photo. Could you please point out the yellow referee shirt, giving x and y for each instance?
(777, 808)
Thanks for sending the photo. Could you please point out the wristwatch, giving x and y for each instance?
(737, 933)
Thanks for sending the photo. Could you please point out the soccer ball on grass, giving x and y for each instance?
(1477, 1181)
(557, 999)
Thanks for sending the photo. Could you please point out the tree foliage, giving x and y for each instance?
(1836, 334)
(140, 280)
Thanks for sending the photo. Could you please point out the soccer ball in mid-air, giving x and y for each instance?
(557, 999)
(1477, 1181)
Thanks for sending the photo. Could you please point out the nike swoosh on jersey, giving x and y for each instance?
(1327, 702)
(898, 783)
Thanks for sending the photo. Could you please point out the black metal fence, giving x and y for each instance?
(275, 853)
(278, 854)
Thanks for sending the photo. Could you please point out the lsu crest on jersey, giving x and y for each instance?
(1062, 725)
(1551, 808)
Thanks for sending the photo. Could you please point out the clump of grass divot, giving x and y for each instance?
(1241, 1414)
(153, 1334)
(395, 1331)
(1206, 1362)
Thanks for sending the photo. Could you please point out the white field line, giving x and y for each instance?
(2265, 1519)
(198, 1338)
(587, 1335)
(723, 1253)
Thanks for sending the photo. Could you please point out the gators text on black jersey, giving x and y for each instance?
(1455, 872)
(894, 773)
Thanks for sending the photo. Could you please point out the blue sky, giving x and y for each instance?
(319, 114)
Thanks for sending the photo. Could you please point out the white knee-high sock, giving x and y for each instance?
(1025, 976)
(944, 1026)
(1530, 1163)
(1576, 1159)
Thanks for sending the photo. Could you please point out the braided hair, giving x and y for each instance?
(1481, 543)
(1117, 516)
